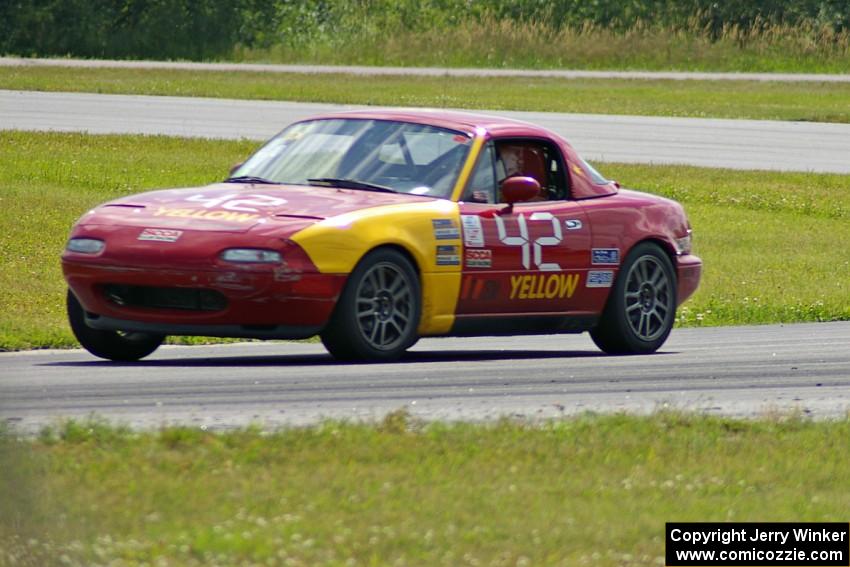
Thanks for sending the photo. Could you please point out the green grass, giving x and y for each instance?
(538, 42)
(773, 243)
(819, 102)
(590, 490)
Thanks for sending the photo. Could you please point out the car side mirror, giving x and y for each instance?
(518, 189)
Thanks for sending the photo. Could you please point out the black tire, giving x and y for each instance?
(111, 345)
(641, 309)
(377, 315)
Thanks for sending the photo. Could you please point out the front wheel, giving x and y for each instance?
(112, 345)
(378, 312)
(641, 309)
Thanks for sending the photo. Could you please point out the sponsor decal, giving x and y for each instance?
(573, 224)
(160, 235)
(479, 289)
(228, 216)
(538, 286)
(447, 255)
(577, 170)
(479, 258)
(473, 234)
(600, 278)
(445, 229)
(605, 256)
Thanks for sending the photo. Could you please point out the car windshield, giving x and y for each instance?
(362, 154)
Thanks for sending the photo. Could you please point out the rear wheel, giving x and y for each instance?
(641, 310)
(378, 312)
(112, 345)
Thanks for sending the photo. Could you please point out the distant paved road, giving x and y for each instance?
(428, 71)
(738, 371)
(738, 144)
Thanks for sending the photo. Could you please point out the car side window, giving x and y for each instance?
(482, 182)
(532, 158)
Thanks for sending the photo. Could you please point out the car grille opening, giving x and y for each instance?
(190, 299)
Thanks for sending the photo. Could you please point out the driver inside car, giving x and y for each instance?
(515, 159)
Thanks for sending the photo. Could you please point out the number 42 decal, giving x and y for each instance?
(522, 240)
(228, 202)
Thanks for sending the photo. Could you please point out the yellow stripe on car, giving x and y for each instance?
(471, 160)
(337, 244)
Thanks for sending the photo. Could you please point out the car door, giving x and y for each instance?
(529, 258)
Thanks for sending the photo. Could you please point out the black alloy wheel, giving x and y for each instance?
(378, 313)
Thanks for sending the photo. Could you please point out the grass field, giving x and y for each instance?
(772, 242)
(590, 490)
(537, 43)
(818, 102)
(753, 35)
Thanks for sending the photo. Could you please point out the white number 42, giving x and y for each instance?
(246, 204)
(539, 242)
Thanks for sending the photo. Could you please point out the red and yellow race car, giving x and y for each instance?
(374, 228)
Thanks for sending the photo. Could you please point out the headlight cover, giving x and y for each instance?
(251, 256)
(85, 245)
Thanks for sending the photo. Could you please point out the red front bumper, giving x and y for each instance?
(259, 297)
(689, 271)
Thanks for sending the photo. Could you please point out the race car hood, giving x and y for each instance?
(237, 207)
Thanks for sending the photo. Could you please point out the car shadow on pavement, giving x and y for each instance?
(412, 357)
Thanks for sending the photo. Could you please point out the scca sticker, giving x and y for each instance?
(160, 235)
(445, 229)
(605, 256)
(447, 255)
(479, 258)
(602, 278)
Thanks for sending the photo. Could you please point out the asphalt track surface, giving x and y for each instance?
(737, 144)
(744, 371)
(426, 71)
(740, 371)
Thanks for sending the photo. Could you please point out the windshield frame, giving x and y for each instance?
(450, 148)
